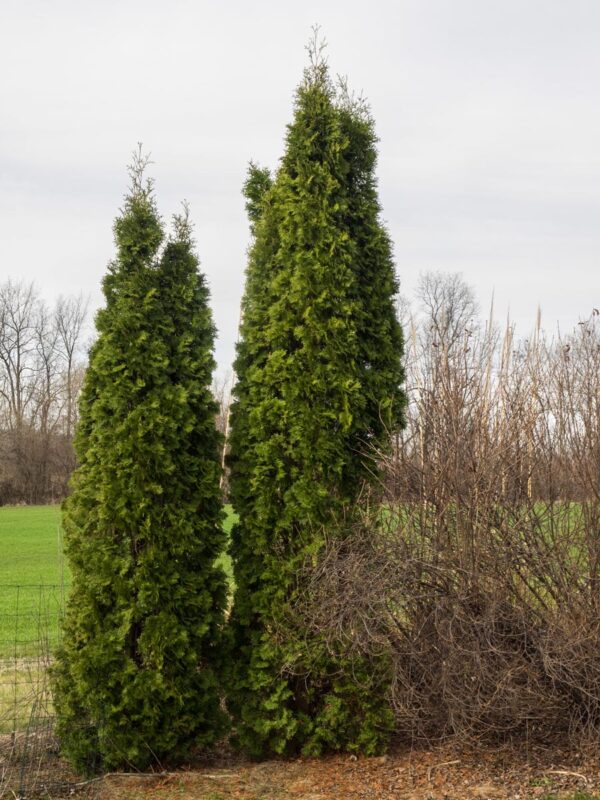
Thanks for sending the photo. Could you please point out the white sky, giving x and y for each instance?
(488, 113)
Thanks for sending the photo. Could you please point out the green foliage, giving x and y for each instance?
(136, 676)
(319, 377)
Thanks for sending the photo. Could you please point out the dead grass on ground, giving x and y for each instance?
(450, 773)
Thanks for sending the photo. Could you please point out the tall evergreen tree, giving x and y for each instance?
(136, 676)
(319, 377)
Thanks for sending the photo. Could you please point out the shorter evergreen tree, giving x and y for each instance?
(136, 676)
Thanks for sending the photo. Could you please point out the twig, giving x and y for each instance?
(431, 768)
(127, 775)
(567, 772)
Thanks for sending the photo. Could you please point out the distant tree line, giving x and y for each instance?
(41, 369)
(511, 415)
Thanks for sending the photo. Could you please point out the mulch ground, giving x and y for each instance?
(406, 774)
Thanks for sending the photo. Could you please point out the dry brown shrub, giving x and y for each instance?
(478, 578)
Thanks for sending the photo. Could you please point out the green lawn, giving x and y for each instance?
(225, 560)
(31, 545)
(31, 576)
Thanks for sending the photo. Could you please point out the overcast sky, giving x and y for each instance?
(488, 113)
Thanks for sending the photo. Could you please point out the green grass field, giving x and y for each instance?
(32, 573)
(31, 545)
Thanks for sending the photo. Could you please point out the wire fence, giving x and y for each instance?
(30, 764)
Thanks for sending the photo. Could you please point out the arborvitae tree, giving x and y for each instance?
(379, 334)
(319, 376)
(136, 676)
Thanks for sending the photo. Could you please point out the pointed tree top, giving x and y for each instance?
(316, 72)
(183, 227)
(352, 102)
(140, 185)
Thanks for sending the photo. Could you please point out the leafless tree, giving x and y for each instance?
(17, 345)
(71, 314)
(40, 370)
(222, 386)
